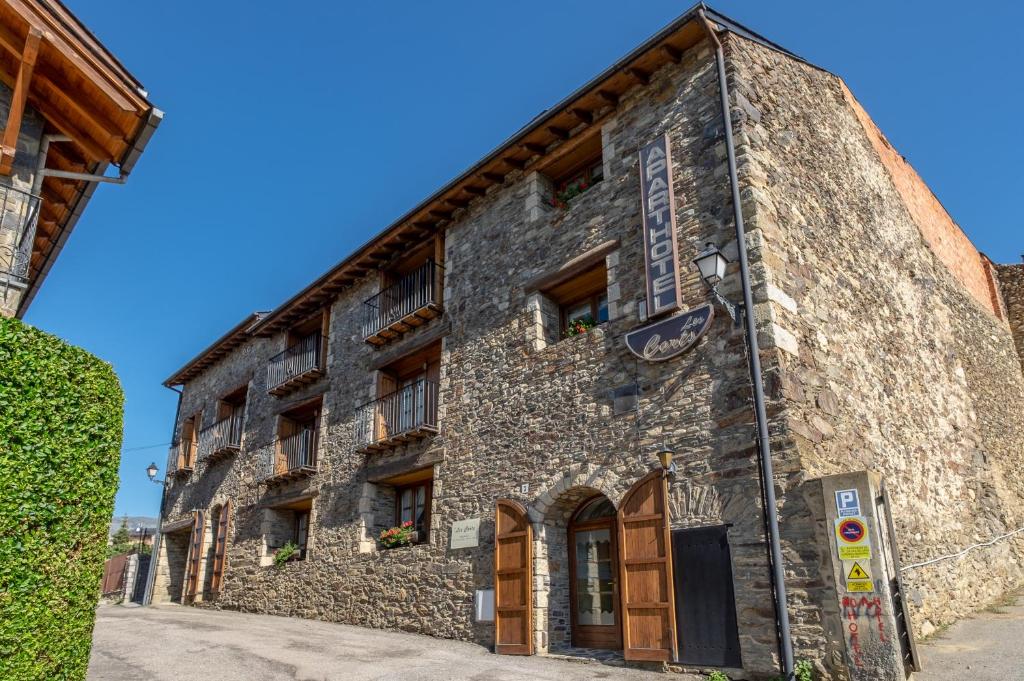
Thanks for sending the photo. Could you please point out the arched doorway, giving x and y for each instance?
(594, 570)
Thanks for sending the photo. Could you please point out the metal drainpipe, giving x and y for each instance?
(756, 377)
(154, 556)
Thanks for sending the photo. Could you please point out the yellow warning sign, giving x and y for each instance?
(857, 572)
(864, 585)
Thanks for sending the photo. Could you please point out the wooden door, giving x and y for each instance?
(645, 566)
(195, 556)
(384, 412)
(705, 603)
(593, 586)
(513, 580)
(220, 546)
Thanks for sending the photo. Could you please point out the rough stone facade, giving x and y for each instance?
(1011, 281)
(876, 357)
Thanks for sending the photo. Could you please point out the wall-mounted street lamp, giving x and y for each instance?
(665, 456)
(711, 263)
(151, 471)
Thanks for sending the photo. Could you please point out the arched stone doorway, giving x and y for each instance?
(576, 603)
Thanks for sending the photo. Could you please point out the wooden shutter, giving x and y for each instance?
(513, 580)
(645, 568)
(195, 555)
(385, 412)
(220, 545)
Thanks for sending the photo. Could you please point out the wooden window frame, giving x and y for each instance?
(595, 304)
(303, 546)
(428, 499)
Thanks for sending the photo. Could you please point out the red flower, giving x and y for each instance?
(407, 523)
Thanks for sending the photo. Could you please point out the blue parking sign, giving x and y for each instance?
(847, 503)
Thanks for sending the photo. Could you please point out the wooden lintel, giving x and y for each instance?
(672, 53)
(639, 75)
(476, 191)
(9, 143)
(583, 115)
(497, 178)
(560, 133)
(534, 147)
(608, 96)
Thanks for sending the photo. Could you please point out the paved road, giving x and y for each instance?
(173, 643)
(986, 647)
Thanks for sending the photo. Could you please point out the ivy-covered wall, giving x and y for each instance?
(60, 441)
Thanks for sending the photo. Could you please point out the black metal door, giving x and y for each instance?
(705, 607)
(891, 557)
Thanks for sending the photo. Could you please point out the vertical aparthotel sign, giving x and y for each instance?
(659, 224)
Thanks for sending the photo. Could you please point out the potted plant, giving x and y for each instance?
(580, 325)
(403, 535)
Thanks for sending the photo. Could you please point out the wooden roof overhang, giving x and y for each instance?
(54, 64)
(550, 135)
(216, 351)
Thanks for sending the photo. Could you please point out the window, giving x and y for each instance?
(301, 532)
(412, 503)
(582, 300)
(298, 438)
(576, 171)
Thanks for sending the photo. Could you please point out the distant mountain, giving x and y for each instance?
(133, 522)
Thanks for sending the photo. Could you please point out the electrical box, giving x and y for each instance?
(484, 601)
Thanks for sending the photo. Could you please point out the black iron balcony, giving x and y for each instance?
(411, 301)
(295, 456)
(19, 214)
(300, 364)
(408, 414)
(222, 439)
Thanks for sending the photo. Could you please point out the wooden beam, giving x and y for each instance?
(514, 163)
(91, 149)
(497, 178)
(80, 105)
(639, 75)
(442, 214)
(458, 203)
(608, 96)
(476, 191)
(561, 133)
(583, 115)
(10, 42)
(672, 53)
(9, 143)
(534, 148)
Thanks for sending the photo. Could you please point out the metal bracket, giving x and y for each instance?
(735, 310)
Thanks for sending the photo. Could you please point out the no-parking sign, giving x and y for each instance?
(852, 538)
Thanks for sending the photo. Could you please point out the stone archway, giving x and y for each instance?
(550, 515)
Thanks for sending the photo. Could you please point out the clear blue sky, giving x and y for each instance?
(295, 131)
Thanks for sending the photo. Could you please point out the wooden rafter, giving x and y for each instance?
(533, 147)
(608, 96)
(497, 178)
(561, 133)
(672, 53)
(9, 143)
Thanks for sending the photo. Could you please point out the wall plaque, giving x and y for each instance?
(670, 337)
(465, 533)
(659, 225)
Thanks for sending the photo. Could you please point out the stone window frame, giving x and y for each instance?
(279, 525)
(423, 536)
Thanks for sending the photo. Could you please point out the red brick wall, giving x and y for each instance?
(940, 232)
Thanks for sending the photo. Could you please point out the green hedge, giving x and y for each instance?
(60, 442)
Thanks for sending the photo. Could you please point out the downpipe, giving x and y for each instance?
(756, 376)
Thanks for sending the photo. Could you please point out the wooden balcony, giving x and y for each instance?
(406, 415)
(222, 439)
(410, 302)
(295, 457)
(298, 365)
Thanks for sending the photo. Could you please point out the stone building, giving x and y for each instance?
(469, 372)
(69, 110)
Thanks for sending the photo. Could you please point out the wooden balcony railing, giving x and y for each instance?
(408, 413)
(222, 438)
(299, 364)
(409, 302)
(295, 457)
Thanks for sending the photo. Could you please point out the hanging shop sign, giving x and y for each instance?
(670, 337)
(659, 225)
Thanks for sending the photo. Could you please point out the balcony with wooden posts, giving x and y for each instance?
(398, 418)
(295, 456)
(222, 439)
(301, 363)
(406, 304)
(181, 459)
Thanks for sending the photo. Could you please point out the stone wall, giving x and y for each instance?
(1011, 282)
(895, 366)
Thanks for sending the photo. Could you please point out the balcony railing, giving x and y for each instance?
(182, 457)
(409, 302)
(295, 456)
(397, 418)
(222, 438)
(19, 214)
(301, 363)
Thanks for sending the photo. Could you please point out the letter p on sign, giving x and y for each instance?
(847, 503)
